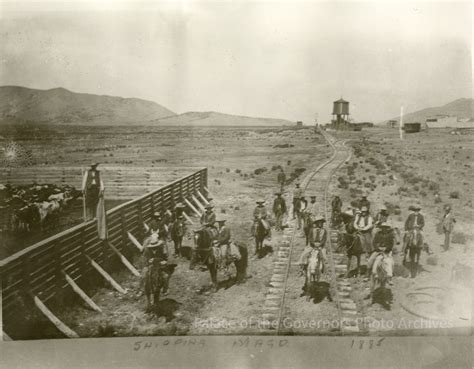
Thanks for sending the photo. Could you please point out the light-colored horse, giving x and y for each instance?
(314, 269)
(382, 270)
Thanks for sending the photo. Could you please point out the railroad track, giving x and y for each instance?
(285, 281)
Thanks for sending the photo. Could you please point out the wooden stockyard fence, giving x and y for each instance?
(44, 273)
(121, 182)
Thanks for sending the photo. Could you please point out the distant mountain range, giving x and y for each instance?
(461, 108)
(20, 105)
(211, 118)
(61, 106)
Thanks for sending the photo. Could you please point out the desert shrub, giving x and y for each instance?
(276, 167)
(459, 237)
(284, 146)
(288, 162)
(454, 195)
(238, 171)
(260, 170)
(416, 188)
(227, 170)
(432, 260)
(423, 193)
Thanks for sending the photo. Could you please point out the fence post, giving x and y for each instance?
(140, 219)
(26, 278)
(57, 266)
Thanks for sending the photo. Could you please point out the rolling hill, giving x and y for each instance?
(218, 119)
(462, 108)
(21, 105)
(61, 106)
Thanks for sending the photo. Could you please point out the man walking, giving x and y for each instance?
(414, 221)
(281, 178)
(448, 225)
(279, 209)
(363, 224)
(297, 193)
(260, 215)
(92, 189)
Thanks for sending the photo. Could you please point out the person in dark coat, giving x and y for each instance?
(414, 220)
(297, 193)
(363, 202)
(279, 209)
(448, 225)
(92, 188)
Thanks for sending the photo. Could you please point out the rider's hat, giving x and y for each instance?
(297, 184)
(209, 206)
(313, 196)
(277, 193)
(261, 201)
(349, 212)
(414, 207)
(179, 205)
(157, 214)
(155, 241)
(383, 207)
(94, 164)
(363, 195)
(302, 197)
(364, 208)
(385, 225)
(221, 220)
(319, 218)
(215, 242)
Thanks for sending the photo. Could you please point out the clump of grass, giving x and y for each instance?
(454, 195)
(459, 238)
(260, 170)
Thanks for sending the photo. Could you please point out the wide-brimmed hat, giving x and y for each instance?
(383, 207)
(277, 193)
(297, 184)
(221, 220)
(364, 208)
(209, 206)
(302, 197)
(349, 212)
(364, 195)
(319, 218)
(94, 164)
(179, 205)
(157, 214)
(414, 207)
(313, 196)
(155, 241)
(260, 201)
(385, 225)
(215, 242)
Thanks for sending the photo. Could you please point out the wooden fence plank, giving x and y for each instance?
(68, 332)
(81, 293)
(106, 275)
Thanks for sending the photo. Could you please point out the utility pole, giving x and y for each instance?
(401, 123)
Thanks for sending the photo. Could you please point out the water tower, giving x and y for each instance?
(340, 112)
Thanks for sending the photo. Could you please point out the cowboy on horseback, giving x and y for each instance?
(208, 218)
(363, 224)
(154, 252)
(317, 240)
(413, 228)
(260, 216)
(382, 244)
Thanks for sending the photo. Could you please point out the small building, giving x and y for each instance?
(412, 127)
(447, 121)
(299, 124)
(392, 123)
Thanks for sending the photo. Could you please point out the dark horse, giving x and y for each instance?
(204, 251)
(414, 244)
(350, 242)
(177, 233)
(157, 278)
(259, 233)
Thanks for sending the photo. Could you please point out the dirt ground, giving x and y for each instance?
(436, 159)
(399, 173)
(234, 187)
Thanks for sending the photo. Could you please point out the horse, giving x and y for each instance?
(178, 230)
(353, 246)
(259, 233)
(213, 257)
(314, 269)
(414, 243)
(156, 279)
(381, 271)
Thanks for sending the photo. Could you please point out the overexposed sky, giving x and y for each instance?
(272, 59)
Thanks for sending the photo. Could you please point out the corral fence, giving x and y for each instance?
(42, 270)
(121, 182)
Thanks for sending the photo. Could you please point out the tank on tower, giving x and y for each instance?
(341, 112)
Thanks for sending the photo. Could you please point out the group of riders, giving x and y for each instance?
(359, 233)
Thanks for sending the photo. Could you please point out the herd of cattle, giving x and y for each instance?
(35, 206)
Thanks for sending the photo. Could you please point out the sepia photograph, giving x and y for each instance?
(192, 173)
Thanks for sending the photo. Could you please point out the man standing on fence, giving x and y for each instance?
(92, 189)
